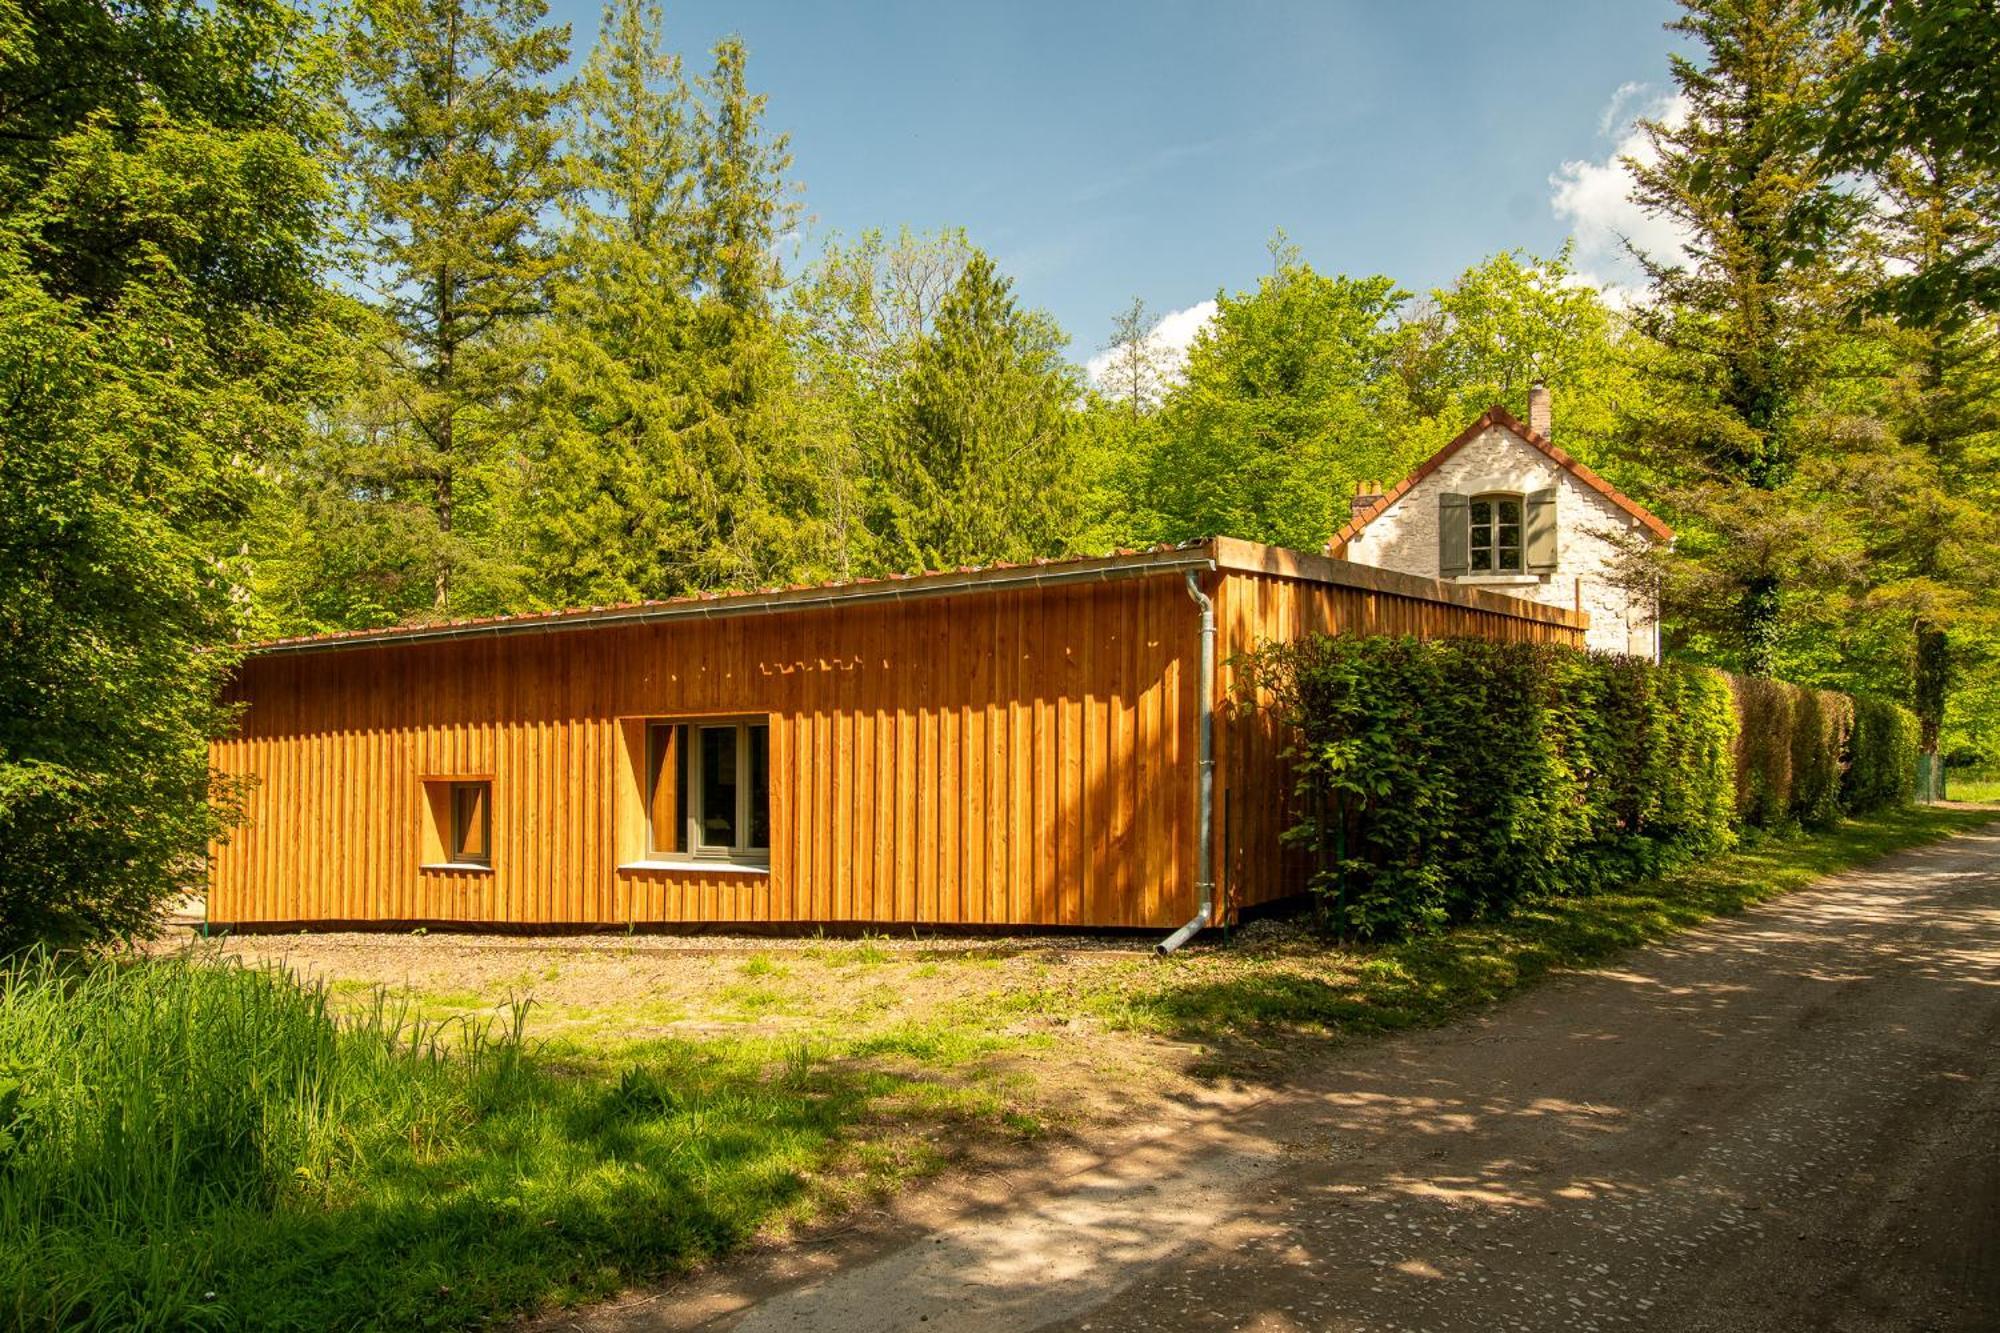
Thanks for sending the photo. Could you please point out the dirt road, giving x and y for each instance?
(1789, 1120)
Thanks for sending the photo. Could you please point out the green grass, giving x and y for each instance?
(755, 1001)
(1258, 997)
(186, 1144)
(761, 965)
(1972, 789)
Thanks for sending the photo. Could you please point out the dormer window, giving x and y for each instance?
(1495, 534)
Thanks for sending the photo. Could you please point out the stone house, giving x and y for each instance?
(1502, 508)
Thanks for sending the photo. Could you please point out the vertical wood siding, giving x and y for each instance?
(1014, 757)
(1273, 596)
(1008, 757)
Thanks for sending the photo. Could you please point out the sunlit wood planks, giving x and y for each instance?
(1007, 755)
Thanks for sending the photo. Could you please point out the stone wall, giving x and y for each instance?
(1593, 538)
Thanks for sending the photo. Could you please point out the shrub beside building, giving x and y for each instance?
(1436, 781)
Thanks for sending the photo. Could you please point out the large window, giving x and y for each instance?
(1495, 546)
(709, 790)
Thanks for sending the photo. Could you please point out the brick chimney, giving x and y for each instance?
(1367, 494)
(1541, 412)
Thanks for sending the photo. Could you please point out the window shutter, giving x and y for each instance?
(1539, 534)
(1454, 535)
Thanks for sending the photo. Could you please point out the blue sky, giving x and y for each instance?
(1102, 151)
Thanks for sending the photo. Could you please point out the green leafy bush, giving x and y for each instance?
(1821, 719)
(1881, 757)
(1764, 717)
(1791, 749)
(1807, 757)
(1439, 780)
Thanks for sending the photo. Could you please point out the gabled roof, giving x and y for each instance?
(1501, 417)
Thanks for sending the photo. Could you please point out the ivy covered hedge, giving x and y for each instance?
(1438, 780)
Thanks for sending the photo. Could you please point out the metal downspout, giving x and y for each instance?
(1205, 822)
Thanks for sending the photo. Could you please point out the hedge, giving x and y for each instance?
(1439, 780)
(1882, 752)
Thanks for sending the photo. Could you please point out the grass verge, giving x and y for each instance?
(1254, 995)
(193, 1144)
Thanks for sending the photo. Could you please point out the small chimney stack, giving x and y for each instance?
(1367, 494)
(1541, 411)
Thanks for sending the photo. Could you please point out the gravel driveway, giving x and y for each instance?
(1788, 1120)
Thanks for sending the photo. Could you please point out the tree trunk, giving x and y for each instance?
(441, 578)
(1931, 683)
(1758, 607)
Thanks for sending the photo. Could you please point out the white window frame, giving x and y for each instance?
(693, 850)
(1472, 526)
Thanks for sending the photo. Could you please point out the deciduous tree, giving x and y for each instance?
(162, 211)
(1283, 407)
(1504, 324)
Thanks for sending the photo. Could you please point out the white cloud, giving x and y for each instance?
(1613, 119)
(1595, 198)
(1169, 341)
(1175, 332)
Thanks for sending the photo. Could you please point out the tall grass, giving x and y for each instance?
(141, 1100)
(193, 1144)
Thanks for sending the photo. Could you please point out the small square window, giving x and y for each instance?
(457, 831)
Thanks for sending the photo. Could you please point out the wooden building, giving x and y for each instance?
(1018, 745)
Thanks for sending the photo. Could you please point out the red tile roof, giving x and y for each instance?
(1491, 417)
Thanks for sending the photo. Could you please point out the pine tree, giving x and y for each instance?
(860, 315)
(746, 204)
(456, 171)
(612, 505)
(1928, 489)
(1119, 429)
(743, 428)
(981, 464)
(1744, 324)
(1925, 89)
